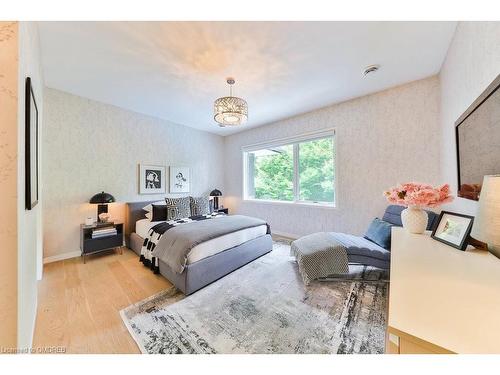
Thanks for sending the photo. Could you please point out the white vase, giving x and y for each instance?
(414, 220)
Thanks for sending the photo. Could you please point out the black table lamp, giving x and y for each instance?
(102, 200)
(216, 193)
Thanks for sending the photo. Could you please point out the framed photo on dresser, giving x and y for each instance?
(152, 179)
(453, 229)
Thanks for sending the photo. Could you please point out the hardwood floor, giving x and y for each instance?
(79, 304)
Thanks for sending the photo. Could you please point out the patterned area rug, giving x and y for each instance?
(264, 307)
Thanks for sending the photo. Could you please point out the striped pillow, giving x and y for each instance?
(178, 208)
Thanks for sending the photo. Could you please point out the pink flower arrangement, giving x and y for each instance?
(419, 195)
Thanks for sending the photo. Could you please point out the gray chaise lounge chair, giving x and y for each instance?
(363, 251)
(325, 254)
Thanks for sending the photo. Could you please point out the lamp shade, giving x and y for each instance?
(487, 222)
(101, 198)
(230, 110)
(216, 193)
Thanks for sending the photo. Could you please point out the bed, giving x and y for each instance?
(208, 261)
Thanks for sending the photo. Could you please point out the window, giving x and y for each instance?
(300, 170)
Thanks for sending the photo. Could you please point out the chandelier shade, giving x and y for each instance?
(230, 110)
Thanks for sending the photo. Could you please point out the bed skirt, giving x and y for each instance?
(205, 271)
(135, 243)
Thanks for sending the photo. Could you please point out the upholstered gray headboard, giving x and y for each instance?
(133, 213)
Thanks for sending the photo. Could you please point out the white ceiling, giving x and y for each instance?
(175, 70)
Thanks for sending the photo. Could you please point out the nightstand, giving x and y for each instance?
(90, 245)
(224, 210)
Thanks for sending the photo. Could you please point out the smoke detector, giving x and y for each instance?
(371, 69)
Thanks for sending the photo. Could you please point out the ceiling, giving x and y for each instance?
(175, 70)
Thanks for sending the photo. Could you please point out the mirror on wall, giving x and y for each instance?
(478, 142)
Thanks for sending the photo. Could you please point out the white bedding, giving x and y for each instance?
(210, 247)
(143, 226)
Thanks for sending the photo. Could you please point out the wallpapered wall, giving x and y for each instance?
(30, 221)
(9, 41)
(472, 63)
(91, 146)
(20, 229)
(382, 139)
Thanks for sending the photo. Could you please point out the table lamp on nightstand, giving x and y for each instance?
(216, 193)
(487, 222)
(102, 200)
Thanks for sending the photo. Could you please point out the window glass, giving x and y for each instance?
(270, 173)
(316, 172)
(297, 172)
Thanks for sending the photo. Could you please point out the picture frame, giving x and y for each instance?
(180, 180)
(31, 147)
(152, 179)
(476, 130)
(453, 229)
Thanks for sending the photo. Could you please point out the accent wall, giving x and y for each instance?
(382, 139)
(472, 63)
(91, 147)
(20, 229)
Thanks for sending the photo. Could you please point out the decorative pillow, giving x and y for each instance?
(159, 212)
(199, 206)
(379, 232)
(149, 215)
(149, 207)
(178, 208)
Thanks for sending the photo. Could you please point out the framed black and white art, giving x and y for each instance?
(179, 180)
(152, 179)
(453, 229)
(31, 147)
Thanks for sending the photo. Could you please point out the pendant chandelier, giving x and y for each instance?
(230, 110)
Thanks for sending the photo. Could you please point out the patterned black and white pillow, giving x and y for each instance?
(178, 208)
(200, 206)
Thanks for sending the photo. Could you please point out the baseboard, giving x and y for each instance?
(55, 258)
(284, 234)
(77, 253)
(34, 321)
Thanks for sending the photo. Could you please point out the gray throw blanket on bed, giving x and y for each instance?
(174, 246)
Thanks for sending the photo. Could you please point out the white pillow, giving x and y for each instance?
(149, 207)
(149, 216)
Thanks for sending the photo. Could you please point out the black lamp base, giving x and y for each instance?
(101, 208)
(216, 203)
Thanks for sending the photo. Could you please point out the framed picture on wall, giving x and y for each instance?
(31, 147)
(152, 179)
(179, 180)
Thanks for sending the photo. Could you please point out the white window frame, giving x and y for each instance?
(295, 141)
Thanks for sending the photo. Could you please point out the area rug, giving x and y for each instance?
(264, 307)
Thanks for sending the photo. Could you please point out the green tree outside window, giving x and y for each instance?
(271, 172)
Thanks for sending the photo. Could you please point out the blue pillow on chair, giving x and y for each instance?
(379, 232)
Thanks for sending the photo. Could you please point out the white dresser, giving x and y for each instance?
(442, 300)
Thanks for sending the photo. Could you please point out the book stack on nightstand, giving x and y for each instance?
(104, 232)
(100, 237)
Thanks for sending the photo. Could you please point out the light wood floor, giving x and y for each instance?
(79, 304)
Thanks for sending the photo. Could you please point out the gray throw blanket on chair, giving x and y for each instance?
(319, 255)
